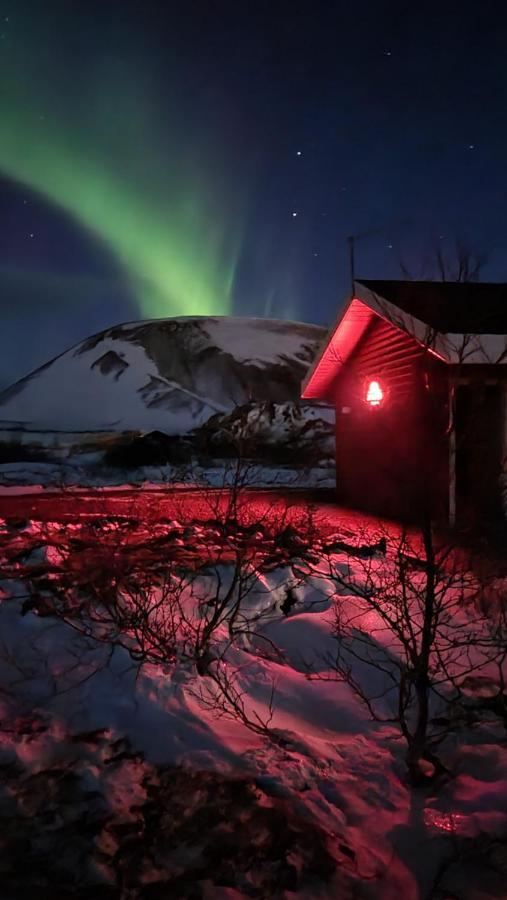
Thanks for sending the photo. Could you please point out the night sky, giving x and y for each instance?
(175, 158)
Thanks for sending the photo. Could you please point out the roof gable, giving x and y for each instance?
(341, 341)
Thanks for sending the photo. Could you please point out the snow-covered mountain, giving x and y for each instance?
(166, 374)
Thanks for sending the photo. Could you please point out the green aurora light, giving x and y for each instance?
(94, 136)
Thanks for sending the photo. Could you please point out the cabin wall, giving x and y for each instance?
(480, 437)
(394, 458)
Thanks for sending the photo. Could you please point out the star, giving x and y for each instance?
(32, 235)
(387, 53)
(471, 146)
(294, 214)
(299, 152)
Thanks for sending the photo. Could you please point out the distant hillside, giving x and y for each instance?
(168, 374)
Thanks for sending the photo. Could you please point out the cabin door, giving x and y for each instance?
(479, 424)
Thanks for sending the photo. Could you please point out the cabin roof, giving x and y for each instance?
(448, 306)
(459, 322)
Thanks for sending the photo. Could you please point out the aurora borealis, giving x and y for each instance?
(139, 179)
(212, 156)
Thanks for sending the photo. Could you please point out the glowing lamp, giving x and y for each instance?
(374, 393)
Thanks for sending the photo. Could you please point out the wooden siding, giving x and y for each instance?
(389, 354)
(391, 459)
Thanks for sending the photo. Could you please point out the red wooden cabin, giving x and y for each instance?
(417, 373)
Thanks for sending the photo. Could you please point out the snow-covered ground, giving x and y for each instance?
(32, 477)
(108, 738)
(299, 437)
(302, 437)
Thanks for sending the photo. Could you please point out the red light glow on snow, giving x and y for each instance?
(374, 393)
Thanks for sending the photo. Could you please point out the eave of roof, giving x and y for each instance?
(342, 339)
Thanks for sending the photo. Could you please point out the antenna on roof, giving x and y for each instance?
(350, 240)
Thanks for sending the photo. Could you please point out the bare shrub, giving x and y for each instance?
(188, 591)
(409, 635)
